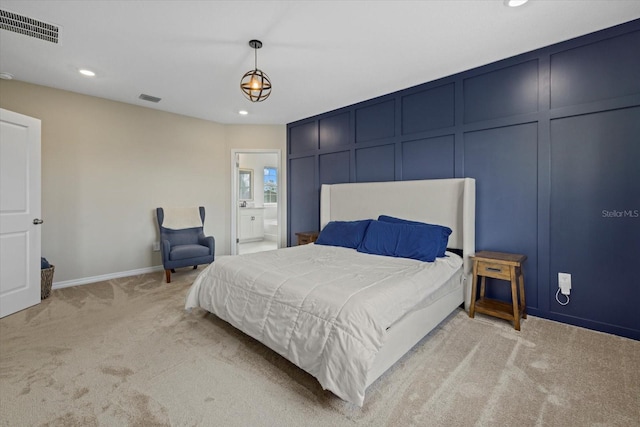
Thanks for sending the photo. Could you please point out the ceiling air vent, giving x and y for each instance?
(149, 98)
(28, 26)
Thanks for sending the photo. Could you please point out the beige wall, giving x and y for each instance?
(107, 165)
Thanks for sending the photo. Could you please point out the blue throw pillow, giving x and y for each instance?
(347, 234)
(401, 240)
(444, 231)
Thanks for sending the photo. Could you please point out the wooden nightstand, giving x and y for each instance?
(498, 265)
(306, 237)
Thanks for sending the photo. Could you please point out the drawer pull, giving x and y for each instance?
(494, 269)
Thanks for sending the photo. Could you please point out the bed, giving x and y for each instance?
(327, 308)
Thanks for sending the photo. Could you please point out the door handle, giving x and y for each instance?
(37, 221)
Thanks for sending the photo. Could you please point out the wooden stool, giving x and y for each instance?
(498, 265)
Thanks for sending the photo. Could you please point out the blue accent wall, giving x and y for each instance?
(552, 138)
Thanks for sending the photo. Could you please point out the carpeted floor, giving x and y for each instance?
(124, 352)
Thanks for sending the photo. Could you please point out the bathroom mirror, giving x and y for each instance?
(245, 183)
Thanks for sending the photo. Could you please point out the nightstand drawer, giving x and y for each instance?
(494, 270)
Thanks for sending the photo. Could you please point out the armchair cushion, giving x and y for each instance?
(188, 251)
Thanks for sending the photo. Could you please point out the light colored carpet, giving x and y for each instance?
(124, 352)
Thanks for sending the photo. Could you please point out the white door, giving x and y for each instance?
(19, 212)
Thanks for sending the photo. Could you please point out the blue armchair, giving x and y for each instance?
(184, 247)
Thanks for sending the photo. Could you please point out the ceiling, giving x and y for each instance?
(319, 55)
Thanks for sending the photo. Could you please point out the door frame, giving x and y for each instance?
(234, 192)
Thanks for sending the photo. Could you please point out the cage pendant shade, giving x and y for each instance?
(255, 84)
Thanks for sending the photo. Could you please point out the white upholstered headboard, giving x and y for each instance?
(449, 202)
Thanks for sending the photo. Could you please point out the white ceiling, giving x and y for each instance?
(320, 55)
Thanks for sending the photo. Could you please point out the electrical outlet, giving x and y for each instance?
(156, 246)
(564, 282)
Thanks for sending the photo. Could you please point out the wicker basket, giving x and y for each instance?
(46, 282)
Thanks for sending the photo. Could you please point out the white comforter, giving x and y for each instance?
(324, 308)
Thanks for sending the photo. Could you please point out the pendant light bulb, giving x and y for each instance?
(255, 83)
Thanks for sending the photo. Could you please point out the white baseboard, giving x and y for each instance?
(103, 277)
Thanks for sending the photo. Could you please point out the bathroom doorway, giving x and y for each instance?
(255, 207)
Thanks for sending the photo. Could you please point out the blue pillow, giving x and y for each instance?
(347, 234)
(401, 240)
(445, 231)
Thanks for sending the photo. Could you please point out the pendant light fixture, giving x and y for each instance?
(255, 84)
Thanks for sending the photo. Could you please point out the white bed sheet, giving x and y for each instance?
(324, 308)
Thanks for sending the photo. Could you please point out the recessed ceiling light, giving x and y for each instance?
(86, 72)
(243, 112)
(514, 3)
